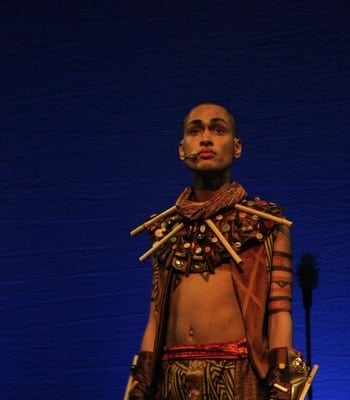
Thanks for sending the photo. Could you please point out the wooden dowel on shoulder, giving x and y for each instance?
(224, 242)
(176, 229)
(264, 215)
(146, 224)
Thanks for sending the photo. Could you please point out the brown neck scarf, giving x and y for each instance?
(193, 210)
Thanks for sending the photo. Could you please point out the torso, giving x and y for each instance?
(203, 307)
(204, 310)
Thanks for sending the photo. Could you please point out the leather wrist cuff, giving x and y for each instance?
(142, 375)
(278, 358)
(288, 373)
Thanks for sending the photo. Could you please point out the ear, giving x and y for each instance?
(181, 150)
(237, 147)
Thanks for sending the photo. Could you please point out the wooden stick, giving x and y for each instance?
(280, 388)
(265, 215)
(163, 214)
(176, 229)
(308, 382)
(131, 384)
(223, 240)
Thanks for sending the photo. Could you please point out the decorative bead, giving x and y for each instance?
(200, 237)
(259, 236)
(225, 228)
(159, 233)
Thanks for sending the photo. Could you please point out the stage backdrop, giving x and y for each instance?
(92, 98)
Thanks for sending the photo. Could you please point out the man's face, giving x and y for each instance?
(209, 143)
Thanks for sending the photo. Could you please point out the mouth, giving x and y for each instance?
(206, 154)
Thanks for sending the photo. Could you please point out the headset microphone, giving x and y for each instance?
(192, 156)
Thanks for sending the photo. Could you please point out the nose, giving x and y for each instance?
(206, 142)
(206, 138)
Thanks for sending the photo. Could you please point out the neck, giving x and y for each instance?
(205, 189)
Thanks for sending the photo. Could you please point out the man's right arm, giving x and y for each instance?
(142, 372)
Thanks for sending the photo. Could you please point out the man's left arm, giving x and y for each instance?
(288, 370)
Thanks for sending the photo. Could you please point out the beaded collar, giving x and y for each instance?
(196, 248)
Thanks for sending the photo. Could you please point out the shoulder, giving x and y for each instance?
(263, 205)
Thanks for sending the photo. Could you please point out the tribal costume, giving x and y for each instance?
(185, 242)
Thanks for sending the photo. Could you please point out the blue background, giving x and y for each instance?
(92, 99)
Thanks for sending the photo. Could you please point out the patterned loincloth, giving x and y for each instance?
(209, 379)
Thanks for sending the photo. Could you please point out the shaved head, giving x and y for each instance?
(231, 117)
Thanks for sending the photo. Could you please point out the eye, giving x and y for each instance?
(193, 131)
(219, 130)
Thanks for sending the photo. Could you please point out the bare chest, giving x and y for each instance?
(204, 309)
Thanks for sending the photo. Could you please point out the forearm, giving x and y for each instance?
(280, 330)
(147, 343)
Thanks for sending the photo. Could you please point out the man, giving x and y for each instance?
(220, 323)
